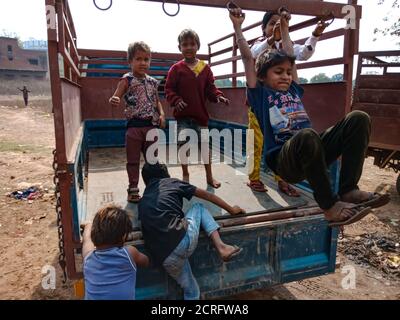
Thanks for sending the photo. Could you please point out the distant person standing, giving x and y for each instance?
(25, 93)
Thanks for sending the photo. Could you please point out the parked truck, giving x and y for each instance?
(377, 92)
(283, 239)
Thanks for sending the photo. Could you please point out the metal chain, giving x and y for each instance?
(171, 14)
(395, 165)
(102, 9)
(61, 256)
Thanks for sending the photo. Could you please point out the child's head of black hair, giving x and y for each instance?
(154, 171)
(267, 16)
(111, 225)
(135, 47)
(188, 34)
(266, 19)
(271, 58)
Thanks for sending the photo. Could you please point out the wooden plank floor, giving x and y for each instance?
(107, 182)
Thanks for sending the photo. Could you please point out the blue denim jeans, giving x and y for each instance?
(177, 263)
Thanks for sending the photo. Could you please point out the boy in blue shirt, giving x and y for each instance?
(293, 150)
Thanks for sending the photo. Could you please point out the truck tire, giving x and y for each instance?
(398, 184)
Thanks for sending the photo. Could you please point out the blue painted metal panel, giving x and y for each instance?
(273, 252)
(306, 249)
(118, 67)
(111, 133)
(152, 284)
(105, 133)
(76, 190)
(74, 204)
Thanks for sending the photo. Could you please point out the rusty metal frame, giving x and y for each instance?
(93, 57)
(57, 45)
(296, 7)
(62, 41)
(301, 7)
(387, 142)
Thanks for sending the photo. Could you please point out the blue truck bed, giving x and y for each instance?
(274, 252)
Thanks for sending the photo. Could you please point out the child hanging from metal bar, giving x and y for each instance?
(293, 150)
(143, 111)
(272, 39)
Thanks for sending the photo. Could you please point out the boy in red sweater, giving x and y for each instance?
(189, 83)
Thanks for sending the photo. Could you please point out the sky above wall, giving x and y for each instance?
(132, 20)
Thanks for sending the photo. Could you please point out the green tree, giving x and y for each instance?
(223, 83)
(241, 83)
(227, 83)
(303, 80)
(394, 28)
(337, 77)
(319, 78)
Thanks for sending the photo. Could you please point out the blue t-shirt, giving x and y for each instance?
(280, 115)
(110, 274)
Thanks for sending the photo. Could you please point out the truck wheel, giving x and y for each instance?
(398, 184)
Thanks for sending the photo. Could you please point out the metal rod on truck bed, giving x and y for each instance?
(263, 216)
(259, 216)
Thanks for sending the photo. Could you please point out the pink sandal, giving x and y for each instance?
(257, 185)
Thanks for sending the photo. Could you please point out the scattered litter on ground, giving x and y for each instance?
(394, 261)
(29, 194)
(380, 252)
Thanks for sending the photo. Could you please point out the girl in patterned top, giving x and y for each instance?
(143, 110)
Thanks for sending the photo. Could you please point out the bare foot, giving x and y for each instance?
(356, 196)
(341, 211)
(287, 189)
(185, 178)
(227, 252)
(213, 183)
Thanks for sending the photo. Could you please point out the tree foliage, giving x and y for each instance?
(394, 28)
(319, 78)
(227, 83)
(337, 77)
(303, 80)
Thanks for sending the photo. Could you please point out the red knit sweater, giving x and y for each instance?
(183, 85)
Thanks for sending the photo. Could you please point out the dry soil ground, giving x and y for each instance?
(28, 233)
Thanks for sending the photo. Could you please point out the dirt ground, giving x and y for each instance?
(29, 241)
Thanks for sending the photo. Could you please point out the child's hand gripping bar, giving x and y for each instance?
(231, 6)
